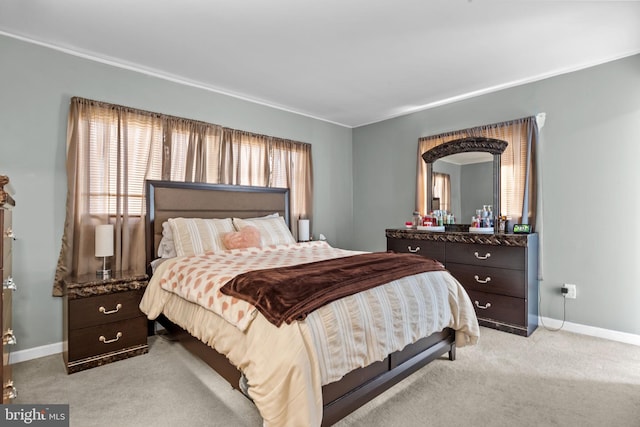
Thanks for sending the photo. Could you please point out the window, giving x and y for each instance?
(120, 158)
(112, 150)
(442, 190)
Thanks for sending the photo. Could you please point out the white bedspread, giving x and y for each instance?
(199, 278)
(358, 330)
(287, 366)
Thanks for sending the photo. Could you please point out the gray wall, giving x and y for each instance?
(36, 84)
(589, 147)
(590, 179)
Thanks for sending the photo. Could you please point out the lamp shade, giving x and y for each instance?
(303, 230)
(104, 240)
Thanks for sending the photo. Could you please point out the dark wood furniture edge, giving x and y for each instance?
(150, 217)
(529, 242)
(5, 194)
(79, 291)
(465, 145)
(353, 399)
(531, 245)
(103, 359)
(8, 390)
(519, 240)
(350, 397)
(89, 286)
(211, 357)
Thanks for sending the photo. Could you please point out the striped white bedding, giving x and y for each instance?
(346, 334)
(358, 330)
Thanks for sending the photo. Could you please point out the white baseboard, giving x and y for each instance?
(592, 331)
(35, 353)
(47, 350)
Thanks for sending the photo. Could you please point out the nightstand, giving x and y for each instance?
(102, 321)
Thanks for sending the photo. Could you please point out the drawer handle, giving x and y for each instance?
(9, 233)
(9, 284)
(9, 391)
(479, 280)
(115, 310)
(482, 257)
(106, 341)
(484, 307)
(8, 338)
(413, 251)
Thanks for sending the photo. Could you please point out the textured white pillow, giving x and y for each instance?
(273, 215)
(195, 236)
(166, 247)
(273, 231)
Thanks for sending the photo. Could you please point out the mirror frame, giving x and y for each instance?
(466, 145)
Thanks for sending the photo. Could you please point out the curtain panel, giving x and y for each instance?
(113, 149)
(518, 180)
(442, 190)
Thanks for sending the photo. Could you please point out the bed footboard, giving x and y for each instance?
(360, 386)
(354, 389)
(208, 355)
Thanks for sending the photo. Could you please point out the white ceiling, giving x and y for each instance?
(350, 62)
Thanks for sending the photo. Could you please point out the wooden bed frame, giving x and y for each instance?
(170, 199)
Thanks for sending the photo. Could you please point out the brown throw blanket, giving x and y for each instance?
(285, 294)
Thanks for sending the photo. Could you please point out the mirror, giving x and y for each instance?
(470, 181)
(481, 174)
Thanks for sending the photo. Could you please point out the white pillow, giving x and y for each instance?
(166, 247)
(195, 236)
(273, 231)
(156, 263)
(273, 215)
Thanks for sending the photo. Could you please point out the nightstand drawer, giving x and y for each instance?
(93, 341)
(490, 279)
(499, 307)
(98, 310)
(433, 250)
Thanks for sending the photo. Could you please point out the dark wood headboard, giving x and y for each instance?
(173, 199)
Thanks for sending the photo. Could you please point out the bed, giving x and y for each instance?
(297, 386)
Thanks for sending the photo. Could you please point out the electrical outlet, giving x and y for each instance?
(569, 290)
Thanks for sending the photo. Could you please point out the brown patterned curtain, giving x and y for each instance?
(518, 180)
(112, 150)
(191, 150)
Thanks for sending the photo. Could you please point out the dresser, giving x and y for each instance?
(8, 287)
(498, 271)
(102, 320)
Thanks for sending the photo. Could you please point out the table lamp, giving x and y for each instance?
(104, 248)
(303, 230)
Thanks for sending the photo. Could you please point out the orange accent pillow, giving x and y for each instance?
(248, 237)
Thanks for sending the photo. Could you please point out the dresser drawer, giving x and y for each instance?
(433, 250)
(8, 388)
(487, 255)
(5, 226)
(5, 260)
(499, 307)
(7, 295)
(498, 280)
(5, 358)
(87, 342)
(97, 310)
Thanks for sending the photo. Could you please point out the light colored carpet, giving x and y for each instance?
(548, 379)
